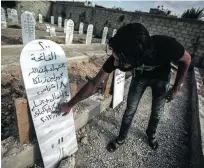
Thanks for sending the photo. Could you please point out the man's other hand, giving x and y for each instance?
(171, 94)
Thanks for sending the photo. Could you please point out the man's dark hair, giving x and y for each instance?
(131, 43)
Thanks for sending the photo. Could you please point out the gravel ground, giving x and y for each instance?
(172, 134)
(173, 148)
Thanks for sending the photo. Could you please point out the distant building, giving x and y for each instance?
(156, 11)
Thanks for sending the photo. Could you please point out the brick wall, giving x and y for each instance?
(185, 31)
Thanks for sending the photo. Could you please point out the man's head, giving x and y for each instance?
(131, 44)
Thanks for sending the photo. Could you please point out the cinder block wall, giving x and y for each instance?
(42, 7)
(184, 30)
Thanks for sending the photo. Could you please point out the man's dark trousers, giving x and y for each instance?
(136, 90)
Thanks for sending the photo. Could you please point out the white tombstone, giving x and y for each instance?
(9, 13)
(52, 20)
(65, 25)
(14, 16)
(105, 32)
(34, 15)
(69, 32)
(52, 32)
(40, 18)
(59, 22)
(114, 32)
(28, 27)
(89, 34)
(3, 19)
(119, 84)
(81, 28)
(44, 70)
(47, 27)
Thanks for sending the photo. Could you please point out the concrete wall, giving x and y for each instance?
(185, 31)
(42, 7)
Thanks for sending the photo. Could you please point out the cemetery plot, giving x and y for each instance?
(12, 82)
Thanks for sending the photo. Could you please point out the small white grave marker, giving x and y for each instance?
(52, 32)
(9, 13)
(81, 28)
(52, 20)
(65, 25)
(44, 70)
(69, 32)
(59, 22)
(89, 34)
(34, 15)
(47, 27)
(28, 27)
(105, 32)
(119, 84)
(114, 32)
(14, 16)
(3, 19)
(40, 18)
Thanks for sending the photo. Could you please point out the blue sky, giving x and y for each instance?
(177, 7)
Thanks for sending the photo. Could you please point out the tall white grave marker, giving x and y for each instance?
(65, 25)
(114, 32)
(52, 32)
(105, 32)
(3, 19)
(43, 65)
(69, 32)
(52, 20)
(89, 34)
(9, 13)
(40, 18)
(59, 22)
(119, 84)
(14, 16)
(28, 27)
(81, 28)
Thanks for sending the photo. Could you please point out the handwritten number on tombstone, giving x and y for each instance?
(40, 43)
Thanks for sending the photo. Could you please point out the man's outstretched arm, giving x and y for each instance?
(183, 65)
(85, 91)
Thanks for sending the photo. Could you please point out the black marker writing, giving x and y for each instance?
(40, 43)
(49, 57)
(53, 78)
(55, 96)
(47, 69)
